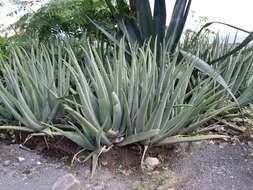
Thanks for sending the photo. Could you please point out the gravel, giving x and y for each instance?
(214, 167)
(207, 167)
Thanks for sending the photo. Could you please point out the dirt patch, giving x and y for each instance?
(129, 157)
(208, 165)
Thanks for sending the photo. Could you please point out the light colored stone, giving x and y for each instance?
(104, 163)
(67, 182)
(20, 159)
(152, 162)
(39, 163)
(6, 163)
(119, 140)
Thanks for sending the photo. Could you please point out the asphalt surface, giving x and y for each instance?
(215, 167)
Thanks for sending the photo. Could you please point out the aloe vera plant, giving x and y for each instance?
(28, 83)
(136, 22)
(119, 104)
(232, 50)
(139, 26)
(235, 70)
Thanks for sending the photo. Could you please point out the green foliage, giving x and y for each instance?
(134, 92)
(189, 38)
(142, 25)
(28, 82)
(228, 67)
(4, 43)
(110, 102)
(236, 47)
(61, 18)
(121, 104)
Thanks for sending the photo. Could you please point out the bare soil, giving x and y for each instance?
(198, 166)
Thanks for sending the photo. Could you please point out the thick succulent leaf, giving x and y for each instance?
(27, 78)
(85, 123)
(94, 163)
(107, 34)
(76, 137)
(216, 22)
(160, 19)
(84, 90)
(100, 87)
(242, 45)
(16, 128)
(139, 137)
(127, 24)
(177, 23)
(182, 22)
(145, 19)
(127, 114)
(206, 69)
(205, 118)
(179, 139)
(131, 30)
(117, 112)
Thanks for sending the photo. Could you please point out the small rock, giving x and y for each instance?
(38, 163)
(104, 163)
(67, 182)
(6, 163)
(20, 159)
(152, 162)
(119, 139)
